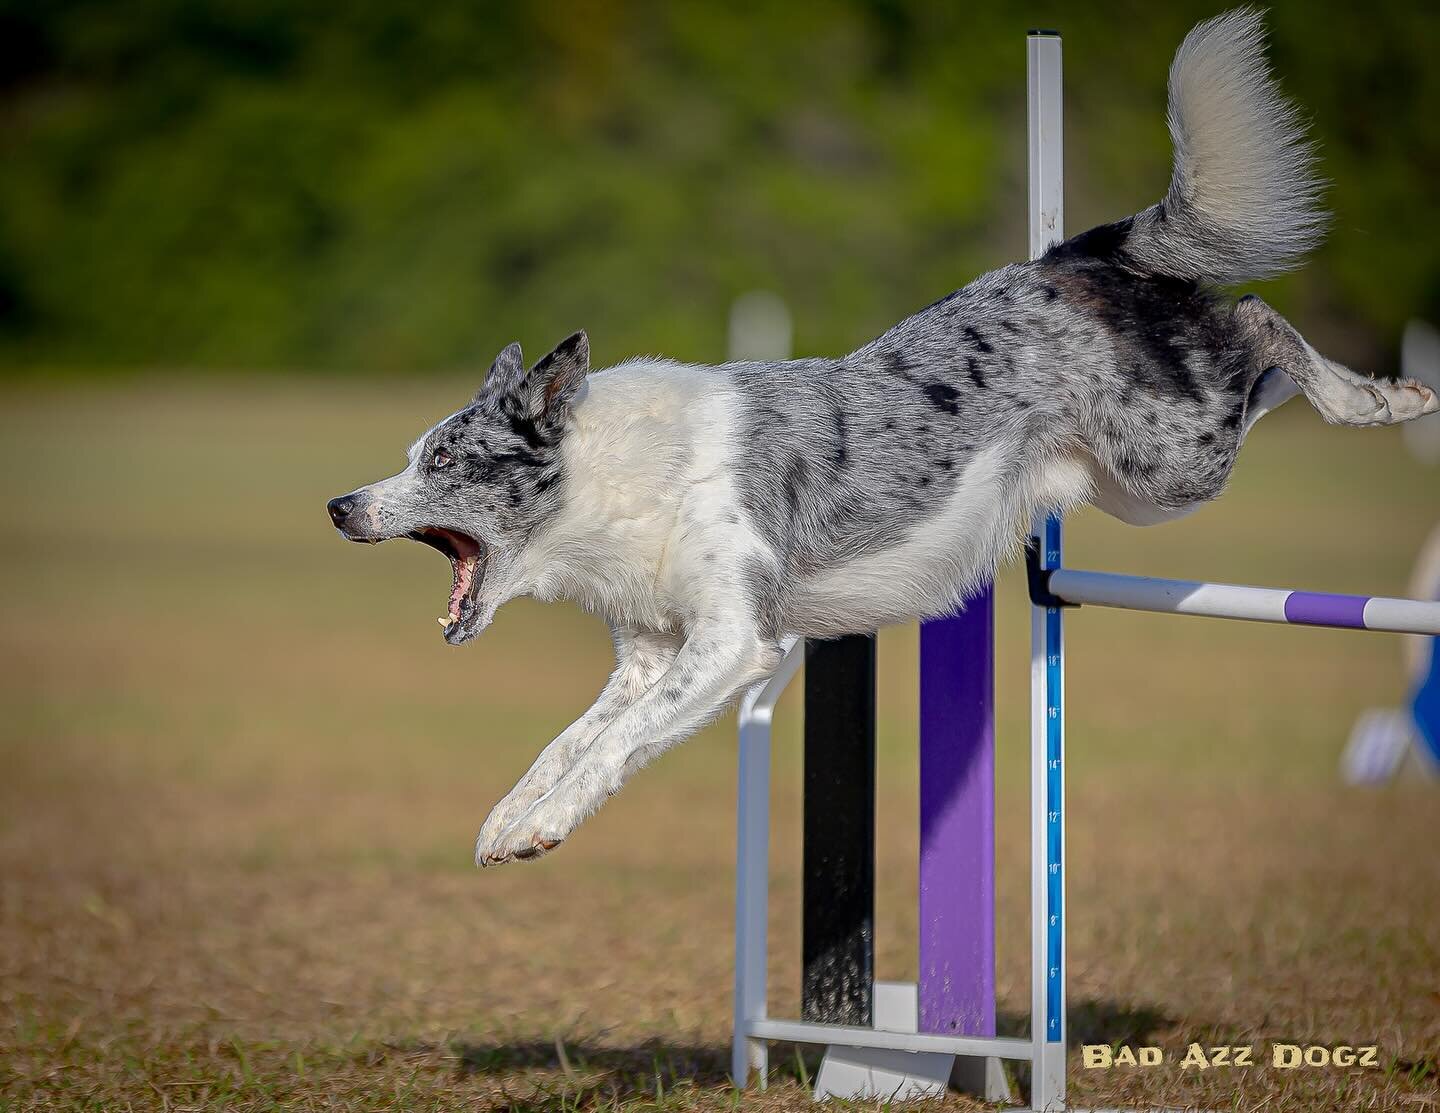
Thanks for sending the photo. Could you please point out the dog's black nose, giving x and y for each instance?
(340, 509)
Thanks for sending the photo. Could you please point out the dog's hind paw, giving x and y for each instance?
(1401, 400)
(1368, 402)
(1415, 399)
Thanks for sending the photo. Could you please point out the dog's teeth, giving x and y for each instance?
(443, 621)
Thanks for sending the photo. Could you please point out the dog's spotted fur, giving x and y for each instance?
(709, 512)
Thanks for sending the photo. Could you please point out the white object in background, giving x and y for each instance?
(1379, 741)
(1383, 738)
(760, 327)
(1420, 359)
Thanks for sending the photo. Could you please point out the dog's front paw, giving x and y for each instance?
(539, 830)
(502, 815)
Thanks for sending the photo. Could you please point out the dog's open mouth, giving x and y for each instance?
(467, 568)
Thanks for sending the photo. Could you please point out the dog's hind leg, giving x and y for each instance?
(1341, 396)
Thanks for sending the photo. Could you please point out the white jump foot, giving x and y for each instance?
(884, 1074)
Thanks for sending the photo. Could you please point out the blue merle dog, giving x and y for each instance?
(709, 513)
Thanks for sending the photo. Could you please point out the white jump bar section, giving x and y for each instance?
(798, 1031)
(1402, 616)
(1237, 601)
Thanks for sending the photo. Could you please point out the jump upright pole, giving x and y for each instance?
(838, 854)
(957, 821)
(1047, 662)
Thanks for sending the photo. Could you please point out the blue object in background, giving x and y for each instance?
(1425, 707)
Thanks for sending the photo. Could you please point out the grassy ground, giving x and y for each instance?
(242, 774)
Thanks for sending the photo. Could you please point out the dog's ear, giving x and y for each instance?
(506, 373)
(554, 380)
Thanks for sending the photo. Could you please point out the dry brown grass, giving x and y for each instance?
(242, 773)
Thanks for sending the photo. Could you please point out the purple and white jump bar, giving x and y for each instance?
(1255, 604)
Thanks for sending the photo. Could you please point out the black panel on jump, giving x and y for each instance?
(838, 948)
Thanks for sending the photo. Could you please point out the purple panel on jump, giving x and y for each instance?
(1315, 608)
(957, 822)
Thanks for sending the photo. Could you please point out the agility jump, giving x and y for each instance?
(896, 1041)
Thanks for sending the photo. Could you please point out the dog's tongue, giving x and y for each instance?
(464, 580)
(463, 569)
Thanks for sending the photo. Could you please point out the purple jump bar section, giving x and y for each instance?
(1315, 608)
(957, 822)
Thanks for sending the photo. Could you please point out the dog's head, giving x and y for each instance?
(480, 483)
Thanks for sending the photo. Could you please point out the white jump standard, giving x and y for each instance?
(898, 1060)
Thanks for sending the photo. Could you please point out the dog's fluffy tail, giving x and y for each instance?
(1244, 199)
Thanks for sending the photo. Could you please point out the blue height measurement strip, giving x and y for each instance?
(1054, 819)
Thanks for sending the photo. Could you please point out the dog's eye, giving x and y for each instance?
(441, 459)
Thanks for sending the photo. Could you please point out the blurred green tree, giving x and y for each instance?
(383, 186)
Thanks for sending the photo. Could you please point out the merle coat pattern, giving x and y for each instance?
(710, 513)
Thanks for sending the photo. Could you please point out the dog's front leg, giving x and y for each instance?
(714, 665)
(641, 657)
